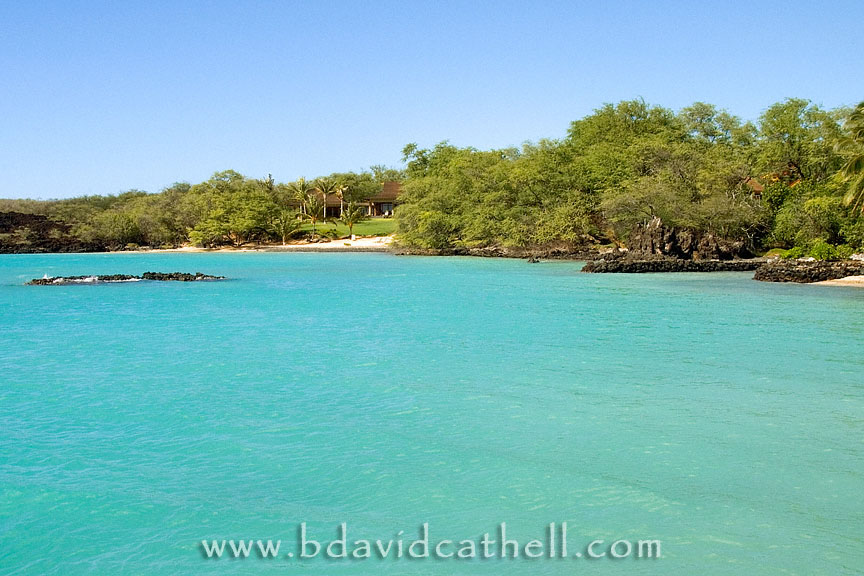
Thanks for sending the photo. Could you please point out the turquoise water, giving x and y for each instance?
(722, 416)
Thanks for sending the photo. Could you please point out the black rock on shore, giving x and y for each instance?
(804, 272)
(560, 251)
(628, 266)
(654, 239)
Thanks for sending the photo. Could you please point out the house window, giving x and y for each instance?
(387, 208)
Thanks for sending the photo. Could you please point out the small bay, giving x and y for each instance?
(722, 416)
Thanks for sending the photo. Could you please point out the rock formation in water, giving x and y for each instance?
(178, 276)
(109, 278)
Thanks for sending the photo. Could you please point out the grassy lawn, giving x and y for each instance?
(372, 227)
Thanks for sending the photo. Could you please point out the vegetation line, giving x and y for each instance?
(793, 181)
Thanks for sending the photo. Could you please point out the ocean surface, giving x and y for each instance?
(719, 415)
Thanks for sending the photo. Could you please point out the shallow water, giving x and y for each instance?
(722, 416)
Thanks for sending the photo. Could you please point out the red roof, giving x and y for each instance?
(755, 185)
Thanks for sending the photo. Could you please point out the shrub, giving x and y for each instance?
(793, 253)
(822, 250)
(853, 233)
(329, 233)
(774, 252)
(844, 252)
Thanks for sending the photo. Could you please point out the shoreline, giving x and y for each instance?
(854, 281)
(360, 244)
(672, 266)
(798, 272)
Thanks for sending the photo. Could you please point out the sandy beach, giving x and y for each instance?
(365, 244)
(847, 281)
(359, 244)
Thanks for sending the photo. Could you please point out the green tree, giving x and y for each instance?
(232, 210)
(326, 187)
(340, 191)
(116, 229)
(353, 214)
(812, 212)
(797, 140)
(356, 187)
(383, 174)
(851, 146)
(300, 191)
(284, 223)
(701, 171)
(315, 211)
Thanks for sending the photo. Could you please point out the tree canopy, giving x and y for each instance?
(702, 169)
(793, 179)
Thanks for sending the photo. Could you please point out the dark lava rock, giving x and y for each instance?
(554, 251)
(58, 280)
(108, 278)
(655, 239)
(36, 233)
(804, 272)
(631, 266)
(179, 276)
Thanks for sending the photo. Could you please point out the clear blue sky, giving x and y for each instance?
(101, 97)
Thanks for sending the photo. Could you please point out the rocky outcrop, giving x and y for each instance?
(803, 272)
(655, 239)
(58, 280)
(178, 276)
(637, 266)
(111, 278)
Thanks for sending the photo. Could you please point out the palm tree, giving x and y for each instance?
(300, 190)
(325, 187)
(285, 222)
(314, 210)
(340, 191)
(352, 215)
(852, 145)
